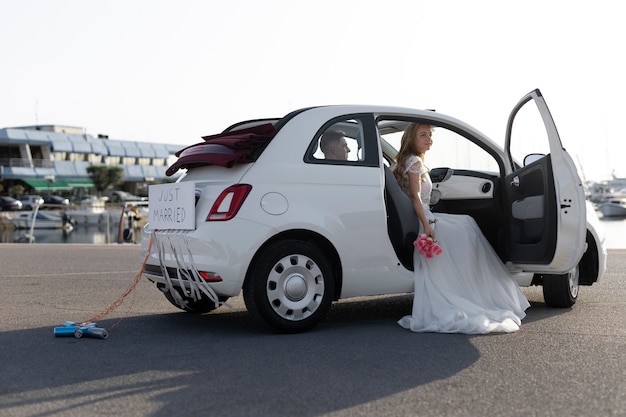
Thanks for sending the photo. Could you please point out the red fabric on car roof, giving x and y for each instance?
(244, 142)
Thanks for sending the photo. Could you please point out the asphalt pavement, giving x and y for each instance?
(158, 361)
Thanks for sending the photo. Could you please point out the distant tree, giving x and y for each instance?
(16, 190)
(105, 177)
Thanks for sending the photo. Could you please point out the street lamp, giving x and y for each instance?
(50, 179)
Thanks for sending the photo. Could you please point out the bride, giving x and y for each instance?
(467, 288)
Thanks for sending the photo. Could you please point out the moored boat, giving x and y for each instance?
(93, 211)
(42, 220)
(613, 208)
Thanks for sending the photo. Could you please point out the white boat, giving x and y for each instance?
(43, 220)
(93, 211)
(603, 191)
(615, 207)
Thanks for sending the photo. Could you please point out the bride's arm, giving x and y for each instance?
(415, 187)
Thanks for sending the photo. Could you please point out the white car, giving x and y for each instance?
(260, 210)
(116, 196)
(29, 202)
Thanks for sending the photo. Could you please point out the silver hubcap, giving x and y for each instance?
(573, 282)
(295, 287)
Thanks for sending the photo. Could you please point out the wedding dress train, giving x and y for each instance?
(466, 289)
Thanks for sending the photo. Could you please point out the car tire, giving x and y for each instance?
(561, 290)
(289, 287)
(201, 306)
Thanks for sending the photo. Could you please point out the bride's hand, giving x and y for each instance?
(430, 231)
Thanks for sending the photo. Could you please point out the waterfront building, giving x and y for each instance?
(54, 159)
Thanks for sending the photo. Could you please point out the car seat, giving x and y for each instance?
(402, 222)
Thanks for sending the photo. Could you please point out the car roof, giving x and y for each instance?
(344, 109)
(397, 121)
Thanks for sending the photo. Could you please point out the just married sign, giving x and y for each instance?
(172, 206)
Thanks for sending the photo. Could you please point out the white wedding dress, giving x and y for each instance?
(466, 289)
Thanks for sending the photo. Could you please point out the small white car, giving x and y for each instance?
(261, 210)
(29, 202)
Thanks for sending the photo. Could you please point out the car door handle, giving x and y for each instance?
(515, 181)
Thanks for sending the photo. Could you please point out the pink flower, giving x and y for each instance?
(427, 246)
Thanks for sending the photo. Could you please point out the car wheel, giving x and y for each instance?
(561, 290)
(201, 306)
(289, 287)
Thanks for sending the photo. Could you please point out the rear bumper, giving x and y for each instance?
(154, 274)
(211, 248)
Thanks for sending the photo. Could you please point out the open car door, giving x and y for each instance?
(544, 199)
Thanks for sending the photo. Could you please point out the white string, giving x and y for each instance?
(178, 299)
(188, 278)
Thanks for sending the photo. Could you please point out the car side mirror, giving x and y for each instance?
(533, 157)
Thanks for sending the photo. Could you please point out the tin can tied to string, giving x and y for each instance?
(69, 329)
(88, 328)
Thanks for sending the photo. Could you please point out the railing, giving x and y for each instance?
(43, 163)
(25, 163)
(125, 208)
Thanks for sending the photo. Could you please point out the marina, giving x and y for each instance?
(108, 231)
(98, 234)
(53, 226)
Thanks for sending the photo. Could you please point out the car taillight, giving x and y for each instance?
(229, 202)
(210, 276)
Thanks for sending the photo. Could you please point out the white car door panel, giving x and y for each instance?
(544, 202)
(462, 187)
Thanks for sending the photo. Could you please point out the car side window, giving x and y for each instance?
(528, 134)
(450, 149)
(340, 142)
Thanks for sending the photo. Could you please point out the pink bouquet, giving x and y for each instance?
(427, 246)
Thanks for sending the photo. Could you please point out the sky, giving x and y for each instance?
(173, 71)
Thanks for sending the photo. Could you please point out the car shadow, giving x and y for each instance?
(223, 363)
(538, 309)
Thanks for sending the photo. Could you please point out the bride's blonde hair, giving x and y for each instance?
(407, 149)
